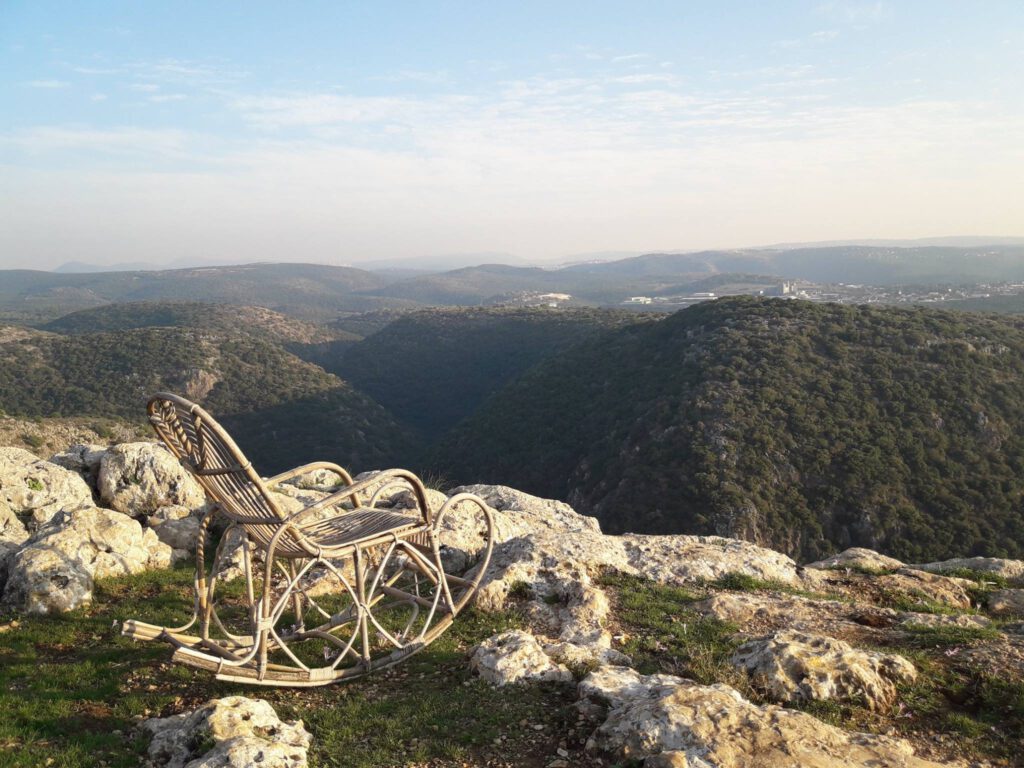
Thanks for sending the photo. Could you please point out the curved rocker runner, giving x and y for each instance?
(334, 591)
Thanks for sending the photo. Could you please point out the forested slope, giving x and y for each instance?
(802, 426)
(280, 409)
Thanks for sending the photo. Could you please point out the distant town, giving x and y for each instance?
(840, 293)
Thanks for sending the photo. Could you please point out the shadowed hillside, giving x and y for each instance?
(804, 427)
(433, 368)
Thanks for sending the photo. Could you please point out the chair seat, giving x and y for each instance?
(361, 524)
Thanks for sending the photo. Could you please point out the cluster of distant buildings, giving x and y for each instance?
(842, 293)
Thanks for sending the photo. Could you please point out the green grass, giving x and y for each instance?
(72, 691)
(944, 637)
(982, 710)
(742, 582)
(901, 601)
(664, 634)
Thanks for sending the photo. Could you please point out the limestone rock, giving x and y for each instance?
(139, 478)
(557, 569)
(924, 587)
(12, 530)
(963, 620)
(231, 563)
(858, 558)
(177, 527)
(686, 559)
(233, 732)
(54, 571)
(1006, 602)
(35, 490)
(747, 607)
(794, 666)
(83, 459)
(997, 566)
(513, 657)
(317, 480)
(7, 553)
(678, 722)
(407, 500)
(534, 514)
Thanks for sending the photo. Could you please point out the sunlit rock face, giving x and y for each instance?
(233, 732)
(55, 569)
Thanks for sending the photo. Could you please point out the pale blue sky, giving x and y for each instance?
(345, 132)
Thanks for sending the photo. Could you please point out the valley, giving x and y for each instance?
(807, 423)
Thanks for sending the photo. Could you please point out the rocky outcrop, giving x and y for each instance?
(858, 558)
(963, 621)
(667, 721)
(139, 478)
(923, 588)
(794, 666)
(13, 532)
(530, 513)
(233, 732)
(35, 490)
(552, 570)
(82, 459)
(1007, 569)
(514, 657)
(55, 569)
(1006, 602)
(749, 608)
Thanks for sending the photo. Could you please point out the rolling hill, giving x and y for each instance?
(257, 322)
(873, 265)
(805, 427)
(309, 291)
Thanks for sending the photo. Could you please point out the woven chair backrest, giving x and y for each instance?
(208, 452)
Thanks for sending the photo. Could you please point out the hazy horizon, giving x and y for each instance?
(145, 133)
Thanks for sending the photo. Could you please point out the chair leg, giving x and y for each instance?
(364, 625)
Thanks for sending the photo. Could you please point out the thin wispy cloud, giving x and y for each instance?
(48, 84)
(372, 148)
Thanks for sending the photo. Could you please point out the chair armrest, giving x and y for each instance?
(346, 478)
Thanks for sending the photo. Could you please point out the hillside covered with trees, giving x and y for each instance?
(804, 427)
(280, 409)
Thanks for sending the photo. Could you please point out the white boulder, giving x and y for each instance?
(668, 721)
(997, 566)
(54, 571)
(233, 732)
(795, 666)
(83, 459)
(858, 558)
(35, 490)
(1006, 602)
(139, 478)
(513, 657)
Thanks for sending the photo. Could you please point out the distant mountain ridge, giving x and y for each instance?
(311, 291)
(323, 293)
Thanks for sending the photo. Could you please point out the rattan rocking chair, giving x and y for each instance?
(390, 586)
